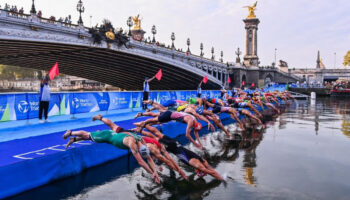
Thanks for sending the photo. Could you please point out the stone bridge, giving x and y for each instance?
(32, 42)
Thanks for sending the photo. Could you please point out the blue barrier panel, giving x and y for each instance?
(21, 107)
(102, 99)
(33, 101)
(84, 103)
(120, 100)
(26, 105)
(4, 108)
(137, 99)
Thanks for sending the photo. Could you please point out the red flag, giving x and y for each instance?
(54, 71)
(205, 79)
(243, 83)
(229, 80)
(159, 75)
(253, 84)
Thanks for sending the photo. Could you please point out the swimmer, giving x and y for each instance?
(186, 156)
(123, 140)
(155, 148)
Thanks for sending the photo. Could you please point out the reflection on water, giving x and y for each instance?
(301, 154)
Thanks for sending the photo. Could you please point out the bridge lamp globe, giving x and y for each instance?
(172, 39)
(188, 44)
(130, 24)
(154, 32)
(80, 9)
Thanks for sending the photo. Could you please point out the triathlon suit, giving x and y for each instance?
(111, 137)
(151, 141)
(183, 154)
(169, 115)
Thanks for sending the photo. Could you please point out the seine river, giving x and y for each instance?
(301, 154)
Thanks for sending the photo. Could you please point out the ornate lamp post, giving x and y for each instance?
(154, 32)
(80, 9)
(130, 24)
(222, 55)
(201, 47)
(212, 53)
(172, 39)
(188, 45)
(33, 11)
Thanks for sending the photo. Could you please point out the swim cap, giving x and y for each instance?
(144, 151)
(197, 126)
(192, 101)
(181, 108)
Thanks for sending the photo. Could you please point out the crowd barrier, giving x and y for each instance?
(22, 106)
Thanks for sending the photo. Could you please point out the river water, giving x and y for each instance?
(301, 154)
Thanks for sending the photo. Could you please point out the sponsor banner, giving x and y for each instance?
(22, 106)
(4, 108)
(83, 103)
(102, 99)
(33, 102)
(120, 100)
(137, 99)
(26, 105)
(55, 102)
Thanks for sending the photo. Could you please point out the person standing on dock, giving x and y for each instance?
(44, 99)
(146, 91)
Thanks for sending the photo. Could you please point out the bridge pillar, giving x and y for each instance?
(251, 42)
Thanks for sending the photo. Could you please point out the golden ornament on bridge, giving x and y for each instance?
(110, 35)
(137, 22)
(251, 10)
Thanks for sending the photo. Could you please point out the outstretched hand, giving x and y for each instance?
(156, 178)
(210, 126)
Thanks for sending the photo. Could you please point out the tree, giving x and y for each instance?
(347, 59)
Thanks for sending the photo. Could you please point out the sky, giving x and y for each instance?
(296, 28)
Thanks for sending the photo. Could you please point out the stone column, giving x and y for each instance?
(251, 53)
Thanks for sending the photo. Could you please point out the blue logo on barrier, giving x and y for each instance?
(23, 106)
(75, 103)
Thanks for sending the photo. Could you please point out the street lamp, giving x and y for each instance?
(222, 55)
(188, 45)
(154, 31)
(80, 9)
(172, 39)
(212, 53)
(275, 55)
(130, 24)
(201, 47)
(33, 11)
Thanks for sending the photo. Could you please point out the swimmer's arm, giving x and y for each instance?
(189, 137)
(148, 134)
(153, 166)
(201, 117)
(177, 167)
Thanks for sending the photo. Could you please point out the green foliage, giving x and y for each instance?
(11, 72)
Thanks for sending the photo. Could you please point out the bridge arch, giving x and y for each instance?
(268, 79)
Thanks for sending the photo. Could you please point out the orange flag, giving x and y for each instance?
(54, 71)
(159, 75)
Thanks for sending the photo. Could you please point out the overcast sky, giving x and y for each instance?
(297, 28)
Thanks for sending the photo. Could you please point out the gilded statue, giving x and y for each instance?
(110, 35)
(251, 10)
(137, 22)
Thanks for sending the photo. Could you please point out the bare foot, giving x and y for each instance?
(67, 134)
(97, 117)
(139, 114)
(70, 142)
